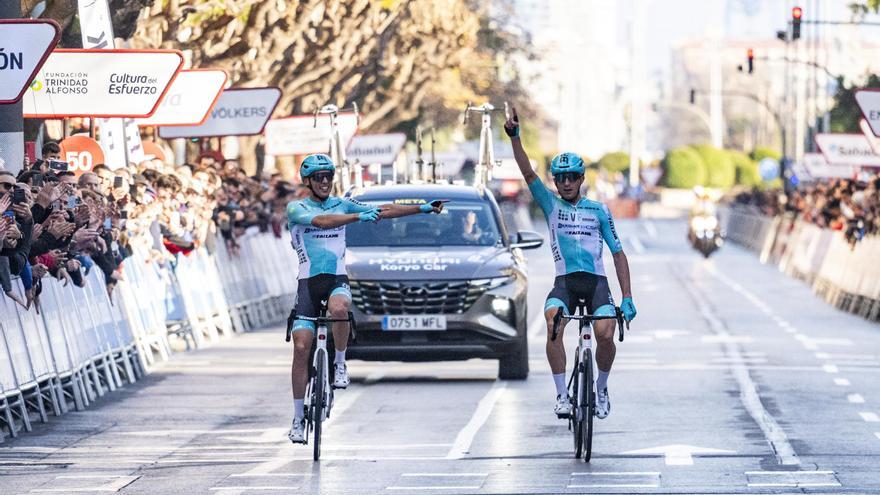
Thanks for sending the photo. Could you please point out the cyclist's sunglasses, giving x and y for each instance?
(567, 177)
(320, 177)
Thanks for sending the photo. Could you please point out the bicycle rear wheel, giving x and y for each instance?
(318, 402)
(576, 418)
(588, 406)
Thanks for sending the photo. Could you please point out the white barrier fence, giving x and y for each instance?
(846, 276)
(85, 343)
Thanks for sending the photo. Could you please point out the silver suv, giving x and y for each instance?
(445, 287)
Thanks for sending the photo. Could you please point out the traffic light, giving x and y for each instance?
(750, 55)
(796, 14)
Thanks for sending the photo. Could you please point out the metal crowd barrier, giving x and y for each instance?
(85, 343)
(844, 275)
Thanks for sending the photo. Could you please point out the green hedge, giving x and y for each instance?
(617, 161)
(683, 168)
(720, 170)
(747, 173)
(760, 153)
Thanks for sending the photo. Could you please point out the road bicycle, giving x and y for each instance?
(319, 393)
(581, 382)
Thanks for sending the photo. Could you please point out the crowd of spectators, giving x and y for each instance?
(848, 205)
(57, 224)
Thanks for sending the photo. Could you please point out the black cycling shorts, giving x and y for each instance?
(580, 289)
(314, 292)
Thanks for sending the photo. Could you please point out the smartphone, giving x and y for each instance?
(18, 195)
(37, 180)
(123, 214)
(58, 165)
(107, 224)
(9, 214)
(72, 202)
(132, 190)
(117, 182)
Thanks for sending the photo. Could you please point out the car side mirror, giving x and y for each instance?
(526, 239)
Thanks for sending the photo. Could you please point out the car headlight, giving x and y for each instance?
(502, 307)
(492, 283)
(698, 223)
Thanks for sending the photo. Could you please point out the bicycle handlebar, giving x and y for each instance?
(484, 108)
(618, 315)
(320, 319)
(333, 110)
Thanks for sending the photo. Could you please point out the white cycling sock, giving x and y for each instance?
(340, 357)
(602, 380)
(299, 408)
(559, 380)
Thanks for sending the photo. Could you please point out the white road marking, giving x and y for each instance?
(637, 244)
(462, 443)
(472, 487)
(428, 475)
(119, 483)
(610, 485)
(243, 488)
(870, 417)
(877, 434)
(855, 399)
(749, 396)
(270, 475)
(650, 228)
(797, 485)
(619, 473)
(678, 455)
(841, 382)
(830, 368)
(726, 338)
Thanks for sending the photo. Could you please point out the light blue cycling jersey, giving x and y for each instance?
(319, 250)
(576, 231)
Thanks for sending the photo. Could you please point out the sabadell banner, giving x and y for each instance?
(238, 112)
(847, 149)
(101, 83)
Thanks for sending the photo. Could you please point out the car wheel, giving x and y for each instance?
(515, 365)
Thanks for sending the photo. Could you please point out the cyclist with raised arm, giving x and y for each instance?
(317, 230)
(578, 228)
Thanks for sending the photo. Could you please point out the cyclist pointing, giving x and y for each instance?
(317, 230)
(578, 228)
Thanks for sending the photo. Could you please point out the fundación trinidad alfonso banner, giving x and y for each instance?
(238, 112)
(190, 98)
(101, 83)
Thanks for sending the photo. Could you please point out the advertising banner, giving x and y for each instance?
(101, 83)
(375, 148)
(847, 149)
(81, 153)
(238, 112)
(24, 47)
(121, 141)
(190, 98)
(304, 134)
(868, 101)
(819, 168)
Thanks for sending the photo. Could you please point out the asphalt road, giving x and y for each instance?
(733, 379)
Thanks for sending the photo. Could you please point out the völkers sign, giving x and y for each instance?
(101, 83)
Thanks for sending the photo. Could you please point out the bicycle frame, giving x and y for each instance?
(483, 172)
(337, 148)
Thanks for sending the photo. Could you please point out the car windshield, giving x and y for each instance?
(462, 223)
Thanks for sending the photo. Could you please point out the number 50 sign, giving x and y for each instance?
(81, 153)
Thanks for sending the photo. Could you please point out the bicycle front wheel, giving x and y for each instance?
(588, 406)
(576, 418)
(318, 401)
